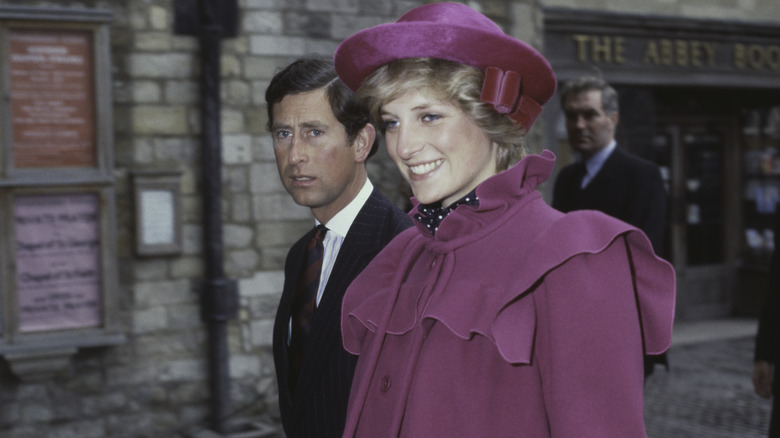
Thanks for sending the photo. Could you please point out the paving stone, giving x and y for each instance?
(707, 392)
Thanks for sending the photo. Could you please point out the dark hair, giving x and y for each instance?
(309, 74)
(609, 97)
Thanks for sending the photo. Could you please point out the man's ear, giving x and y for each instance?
(363, 142)
(615, 116)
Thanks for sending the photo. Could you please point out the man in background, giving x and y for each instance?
(322, 137)
(766, 373)
(606, 178)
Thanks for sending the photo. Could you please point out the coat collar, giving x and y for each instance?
(498, 195)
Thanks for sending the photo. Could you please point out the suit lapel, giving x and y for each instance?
(291, 273)
(361, 243)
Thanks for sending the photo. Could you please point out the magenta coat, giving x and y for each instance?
(515, 320)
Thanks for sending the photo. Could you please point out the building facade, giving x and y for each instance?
(137, 302)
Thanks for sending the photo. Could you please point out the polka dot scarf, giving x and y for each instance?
(431, 216)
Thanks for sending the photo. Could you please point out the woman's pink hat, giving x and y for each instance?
(518, 79)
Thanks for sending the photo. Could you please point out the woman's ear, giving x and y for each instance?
(363, 142)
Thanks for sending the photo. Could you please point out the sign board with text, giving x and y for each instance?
(52, 98)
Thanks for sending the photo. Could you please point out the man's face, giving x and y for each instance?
(590, 129)
(316, 163)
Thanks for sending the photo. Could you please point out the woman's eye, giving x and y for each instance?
(389, 124)
(430, 117)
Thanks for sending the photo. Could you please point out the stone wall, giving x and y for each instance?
(155, 385)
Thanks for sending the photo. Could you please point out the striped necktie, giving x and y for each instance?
(304, 303)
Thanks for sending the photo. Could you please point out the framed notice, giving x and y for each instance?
(157, 201)
(52, 98)
(58, 255)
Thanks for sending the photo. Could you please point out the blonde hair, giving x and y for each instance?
(449, 81)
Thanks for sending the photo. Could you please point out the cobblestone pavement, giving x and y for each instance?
(707, 393)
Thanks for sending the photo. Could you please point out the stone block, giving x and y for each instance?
(38, 412)
(192, 239)
(183, 317)
(261, 67)
(240, 208)
(153, 41)
(262, 283)
(235, 93)
(244, 366)
(262, 333)
(143, 152)
(237, 149)
(309, 24)
(94, 428)
(257, 118)
(150, 320)
(149, 294)
(344, 25)
(174, 150)
(95, 406)
(260, 4)
(182, 370)
(233, 121)
(182, 92)
(162, 65)
(186, 267)
(285, 233)
(331, 6)
(277, 206)
(277, 45)
(242, 262)
(235, 180)
(237, 236)
(159, 120)
(264, 148)
(230, 66)
(146, 92)
(262, 22)
(150, 269)
(264, 178)
(262, 307)
(273, 258)
(158, 17)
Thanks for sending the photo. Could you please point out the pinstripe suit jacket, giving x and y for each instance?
(320, 407)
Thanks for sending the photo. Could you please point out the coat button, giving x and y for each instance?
(385, 386)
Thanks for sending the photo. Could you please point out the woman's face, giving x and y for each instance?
(439, 150)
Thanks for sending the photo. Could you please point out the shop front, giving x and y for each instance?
(702, 100)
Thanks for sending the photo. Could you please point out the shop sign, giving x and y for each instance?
(680, 53)
(655, 49)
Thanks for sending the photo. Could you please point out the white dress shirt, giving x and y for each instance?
(338, 227)
(596, 162)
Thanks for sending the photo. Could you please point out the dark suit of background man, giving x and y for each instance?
(607, 178)
(767, 353)
(322, 137)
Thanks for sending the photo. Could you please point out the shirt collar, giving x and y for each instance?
(342, 221)
(431, 215)
(594, 163)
